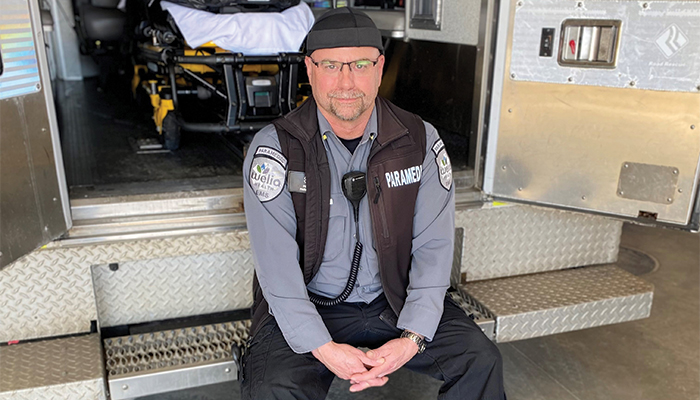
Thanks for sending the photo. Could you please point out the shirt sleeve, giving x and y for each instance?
(272, 231)
(433, 242)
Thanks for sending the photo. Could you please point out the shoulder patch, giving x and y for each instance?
(443, 164)
(267, 173)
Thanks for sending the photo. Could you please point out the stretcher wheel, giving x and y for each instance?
(171, 132)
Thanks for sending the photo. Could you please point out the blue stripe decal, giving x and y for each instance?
(20, 63)
(18, 82)
(17, 45)
(17, 92)
(18, 54)
(20, 72)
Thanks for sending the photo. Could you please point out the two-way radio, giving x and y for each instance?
(354, 187)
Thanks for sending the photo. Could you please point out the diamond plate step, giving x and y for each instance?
(483, 317)
(511, 240)
(152, 363)
(68, 368)
(543, 304)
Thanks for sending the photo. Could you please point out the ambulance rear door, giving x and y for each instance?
(34, 204)
(595, 107)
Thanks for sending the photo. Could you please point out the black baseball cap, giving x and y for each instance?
(343, 27)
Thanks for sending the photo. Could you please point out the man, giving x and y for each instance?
(303, 233)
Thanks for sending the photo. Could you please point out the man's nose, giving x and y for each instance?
(345, 77)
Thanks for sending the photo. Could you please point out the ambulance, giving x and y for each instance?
(563, 119)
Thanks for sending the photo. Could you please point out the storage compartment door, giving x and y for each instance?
(34, 206)
(596, 107)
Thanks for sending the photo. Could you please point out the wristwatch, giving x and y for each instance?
(416, 339)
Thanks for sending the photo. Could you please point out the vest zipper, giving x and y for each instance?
(382, 214)
(377, 186)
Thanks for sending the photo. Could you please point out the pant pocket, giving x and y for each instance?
(388, 316)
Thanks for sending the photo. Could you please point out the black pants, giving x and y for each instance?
(460, 355)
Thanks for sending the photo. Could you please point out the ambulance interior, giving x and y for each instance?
(122, 180)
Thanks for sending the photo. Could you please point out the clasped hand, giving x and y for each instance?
(369, 369)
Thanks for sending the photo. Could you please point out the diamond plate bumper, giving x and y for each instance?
(50, 292)
(69, 368)
(554, 302)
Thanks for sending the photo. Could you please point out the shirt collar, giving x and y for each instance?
(370, 130)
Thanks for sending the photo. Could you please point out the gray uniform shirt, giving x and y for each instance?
(272, 229)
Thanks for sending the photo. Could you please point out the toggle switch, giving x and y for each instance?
(589, 43)
(547, 42)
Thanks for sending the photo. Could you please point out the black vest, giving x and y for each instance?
(399, 148)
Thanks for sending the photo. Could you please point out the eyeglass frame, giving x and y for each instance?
(342, 64)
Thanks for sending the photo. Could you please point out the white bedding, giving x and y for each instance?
(247, 33)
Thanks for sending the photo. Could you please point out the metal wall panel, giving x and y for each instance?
(49, 292)
(518, 239)
(173, 287)
(562, 301)
(69, 368)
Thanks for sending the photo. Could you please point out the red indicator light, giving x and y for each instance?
(572, 46)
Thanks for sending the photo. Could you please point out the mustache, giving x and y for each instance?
(355, 94)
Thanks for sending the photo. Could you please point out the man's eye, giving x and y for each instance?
(361, 64)
(329, 66)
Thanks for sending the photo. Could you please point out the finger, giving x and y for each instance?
(370, 361)
(366, 360)
(367, 384)
(373, 373)
(376, 354)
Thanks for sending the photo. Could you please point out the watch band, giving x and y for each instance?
(415, 338)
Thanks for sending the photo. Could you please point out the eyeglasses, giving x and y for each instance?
(359, 67)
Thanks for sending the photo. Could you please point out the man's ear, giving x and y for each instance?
(380, 65)
(309, 67)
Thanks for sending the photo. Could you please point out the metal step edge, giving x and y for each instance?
(535, 305)
(101, 231)
(157, 204)
(62, 368)
(175, 378)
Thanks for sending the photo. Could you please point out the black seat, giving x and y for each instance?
(102, 20)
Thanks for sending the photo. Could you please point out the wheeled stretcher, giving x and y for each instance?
(204, 87)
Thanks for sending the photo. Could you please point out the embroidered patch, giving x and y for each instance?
(403, 177)
(443, 163)
(267, 173)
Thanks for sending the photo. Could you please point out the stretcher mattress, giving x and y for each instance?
(248, 33)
